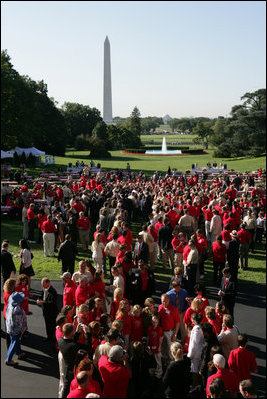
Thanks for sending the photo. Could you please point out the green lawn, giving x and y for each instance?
(12, 229)
(150, 163)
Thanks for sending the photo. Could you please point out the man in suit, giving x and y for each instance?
(7, 264)
(48, 301)
(141, 250)
(67, 253)
(228, 290)
(165, 243)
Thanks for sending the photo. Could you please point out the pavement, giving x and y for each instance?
(37, 376)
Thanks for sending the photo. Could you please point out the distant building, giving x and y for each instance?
(166, 119)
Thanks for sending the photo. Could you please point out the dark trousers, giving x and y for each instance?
(68, 266)
(68, 378)
(217, 267)
(50, 325)
(31, 230)
(234, 269)
(259, 233)
(191, 274)
(201, 263)
(252, 244)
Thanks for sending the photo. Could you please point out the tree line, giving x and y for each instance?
(30, 118)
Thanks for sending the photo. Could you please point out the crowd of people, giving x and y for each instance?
(112, 338)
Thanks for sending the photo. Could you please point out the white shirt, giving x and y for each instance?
(77, 276)
(216, 224)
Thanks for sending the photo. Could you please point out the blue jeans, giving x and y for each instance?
(14, 347)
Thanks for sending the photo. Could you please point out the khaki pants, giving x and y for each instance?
(61, 366)
(166, 346)
(167, 253)
(178, 259)
(84, 238)
(49, 243)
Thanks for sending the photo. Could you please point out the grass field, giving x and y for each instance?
(12, 229)
(150, 163)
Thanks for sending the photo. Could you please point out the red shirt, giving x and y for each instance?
(83, 223)
(187, 249)
(208, 214)
(188, 313)
(69, 293)
(244, 236)
(169, 317)
(99, 286)
(124, 240)
(78, 207)
(178, 245)
(233, 223)
(230, 381)
(30, 214)
(137, 330)
(93, 386)
(186, 344)
(219, 252)
(49, 227)
(115, 377)
(226, 235)
(41, 220)
(78, 393)
(127, 323)
(144, 278)
(6, 295)
(157, 226)
(82, 294)
(205, 302)
(216, 324)
(24, 304)
(153, 337)
(242, 361)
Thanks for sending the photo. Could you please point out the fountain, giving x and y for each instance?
(164, 150)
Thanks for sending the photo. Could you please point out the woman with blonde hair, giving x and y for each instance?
(177, 378)
(196, 307)
(97, 252)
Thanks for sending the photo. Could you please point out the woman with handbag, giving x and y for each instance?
(26, 261)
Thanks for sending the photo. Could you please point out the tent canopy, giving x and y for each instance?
(31, 150)
(5, 154)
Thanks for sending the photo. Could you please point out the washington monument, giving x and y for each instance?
(107, 101)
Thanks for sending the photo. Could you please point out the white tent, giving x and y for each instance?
(5, 154)
(32, 150)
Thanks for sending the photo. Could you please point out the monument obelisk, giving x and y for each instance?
(107, 101)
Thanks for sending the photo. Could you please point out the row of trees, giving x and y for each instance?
(30, 118)
(243, 133)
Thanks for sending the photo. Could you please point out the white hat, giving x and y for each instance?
(219, 360)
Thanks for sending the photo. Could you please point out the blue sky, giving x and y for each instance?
(181, 58)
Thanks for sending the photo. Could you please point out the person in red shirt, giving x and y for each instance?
(170, 323)
(86, 365)
(226, 236)
(208, 216)
(245, 240)
(115, 373)
(201, 292)
(195, 307)
(23, 286)
(241, 360)
(83, 225)
(42, 217)
(159, 224)
(118, 296)
(178, 244)
(31, 223)
(124, 239)
(219, 252)
(78, 207)
(213, 319)
(8, 289)
(69, 290)
(49, 229)
(202, 250)
(123, 314)
(82, 380)
(154, 343)
(137, 330)
(83, 292)
(232, 221)
(229, 378)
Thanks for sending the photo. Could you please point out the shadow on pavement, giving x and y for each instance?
(43, 365)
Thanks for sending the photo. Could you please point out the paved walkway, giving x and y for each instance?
(37, 375)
